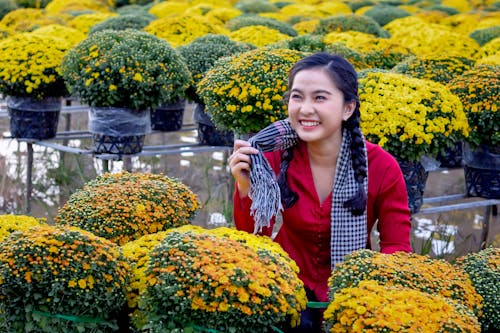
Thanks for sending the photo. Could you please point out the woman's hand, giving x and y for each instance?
(239, 163)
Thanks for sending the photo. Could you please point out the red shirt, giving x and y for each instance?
(305, 232)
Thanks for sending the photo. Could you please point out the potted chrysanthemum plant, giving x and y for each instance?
(412, 119)
(125, 206)
(123, 75)
(244, 92)
(32, 84)
(478, 90)
(200, 55)
(200, 281)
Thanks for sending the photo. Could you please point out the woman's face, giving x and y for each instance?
(316, 106)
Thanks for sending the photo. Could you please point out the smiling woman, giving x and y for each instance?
(322, 164)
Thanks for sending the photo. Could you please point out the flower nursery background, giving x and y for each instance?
(435, 40)
(429, 86)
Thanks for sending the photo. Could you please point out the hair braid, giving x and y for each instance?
(288, 197)
(358, 156)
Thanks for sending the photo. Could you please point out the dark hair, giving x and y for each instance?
(343, 74)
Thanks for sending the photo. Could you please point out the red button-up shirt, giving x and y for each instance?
(305, 232)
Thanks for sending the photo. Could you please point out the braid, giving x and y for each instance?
(288, 197)
(358, 202)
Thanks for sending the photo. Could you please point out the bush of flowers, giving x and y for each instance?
(70, 35)
(209, 282)
(244, 93)
(478, 90)
(383, 14)
(355, 58)
(409, 270)
(30, 66)
(410, 117)
(423, 38)
(483, 268)
(28, 19)
(251, 20)
(72, 6)
(61, 280)
(7, 6)
(258, 35)
(372, 307)
(137, 252)
(377, 52)
(127, 68)
(304, 43)
(483, 36)
(440, 68)
(10, 223)
(353, 22)
(125, 206)
(202, 53)
(123, 22)
(255, 6)
(84, 22)
(183, 28)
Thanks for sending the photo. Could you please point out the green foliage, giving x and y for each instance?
(383, 14)
(126, 68)
(123, 22)
(440, 69)
(354, 57)
(357, 4)
(350, 22)
(445, 9)
(304, 43)
(249, 20)
(7, 6)
(255, 6)
(33, 3)
(202, 53)
(135, 9)
(124, 3)
(483, 269)
(483, 36)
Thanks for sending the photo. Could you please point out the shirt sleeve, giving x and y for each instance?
(391, 207)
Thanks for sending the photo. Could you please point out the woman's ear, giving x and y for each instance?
(349, 110)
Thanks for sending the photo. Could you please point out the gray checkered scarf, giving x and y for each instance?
(348, 232)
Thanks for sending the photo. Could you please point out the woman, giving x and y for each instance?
(332, 184)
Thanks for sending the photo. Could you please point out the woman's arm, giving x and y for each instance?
(390, 202)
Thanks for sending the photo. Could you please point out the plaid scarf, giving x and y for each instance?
(348, 232)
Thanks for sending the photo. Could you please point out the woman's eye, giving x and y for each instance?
(295, 96)
(320, 98)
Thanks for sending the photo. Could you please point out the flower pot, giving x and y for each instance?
(452, 156)
(118, 130)
(208, 134)
(32, 118)
(415, 177)
(482, 171)
(168, 117)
